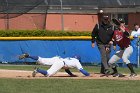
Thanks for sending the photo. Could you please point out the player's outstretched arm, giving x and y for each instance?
(84, 72)
(70, 73)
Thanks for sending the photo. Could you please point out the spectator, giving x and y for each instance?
(102, 34)
(136, 31)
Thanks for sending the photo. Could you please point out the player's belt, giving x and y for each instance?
(64, 63)
(65, 66)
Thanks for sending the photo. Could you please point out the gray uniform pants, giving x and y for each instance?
(124, 54)
(105, 55)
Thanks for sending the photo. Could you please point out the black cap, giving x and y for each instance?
(121, 20)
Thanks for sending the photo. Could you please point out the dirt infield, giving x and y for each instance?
(21, 74)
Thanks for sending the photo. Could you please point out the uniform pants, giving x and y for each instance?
(124, 54)
(104, 56)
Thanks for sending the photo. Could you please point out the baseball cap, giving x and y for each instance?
(121, 20)
(77, 57)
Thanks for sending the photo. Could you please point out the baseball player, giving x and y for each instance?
(56, 64)
(121, 38)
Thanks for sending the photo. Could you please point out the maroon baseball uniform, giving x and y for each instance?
(121, 38)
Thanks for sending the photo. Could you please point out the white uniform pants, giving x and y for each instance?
(55, 68)
(124, 54)
(56, 64)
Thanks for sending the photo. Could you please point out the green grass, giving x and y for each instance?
(68, 86)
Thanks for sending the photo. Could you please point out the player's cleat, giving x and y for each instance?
(24, 56)
(133, 75)
(118, 75)
(34, 72)
(107, 73)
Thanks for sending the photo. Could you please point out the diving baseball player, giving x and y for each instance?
(121, 38)
(56, 64)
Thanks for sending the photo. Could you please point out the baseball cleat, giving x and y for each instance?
(133, 75)
(118, 75)
(34, 72)
(24, 56)
(107, 73)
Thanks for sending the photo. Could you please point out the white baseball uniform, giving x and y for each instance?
(57, 63)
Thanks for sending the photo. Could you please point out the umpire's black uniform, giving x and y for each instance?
(102, 34)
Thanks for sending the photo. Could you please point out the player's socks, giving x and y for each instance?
(115, 70)
(84, 72)
(44, 72)
(130, 67)
(34, 57)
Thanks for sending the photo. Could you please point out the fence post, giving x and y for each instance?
(138, 44)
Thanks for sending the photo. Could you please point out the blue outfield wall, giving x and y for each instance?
(10, 50)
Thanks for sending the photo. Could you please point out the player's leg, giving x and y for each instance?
(104, 58)
(53, 69)
(102, 70)
(37, 70)
(113, 60)
(127, 53)
(47, 61)
(40, 60)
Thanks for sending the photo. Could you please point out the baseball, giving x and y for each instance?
(101, 11)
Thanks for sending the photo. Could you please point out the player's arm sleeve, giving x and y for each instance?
(80, 68)
(84, 72)
(94, 33)
(114, 43)
(69, 72)
(126, 33)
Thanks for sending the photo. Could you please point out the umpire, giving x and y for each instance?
(102, 33)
